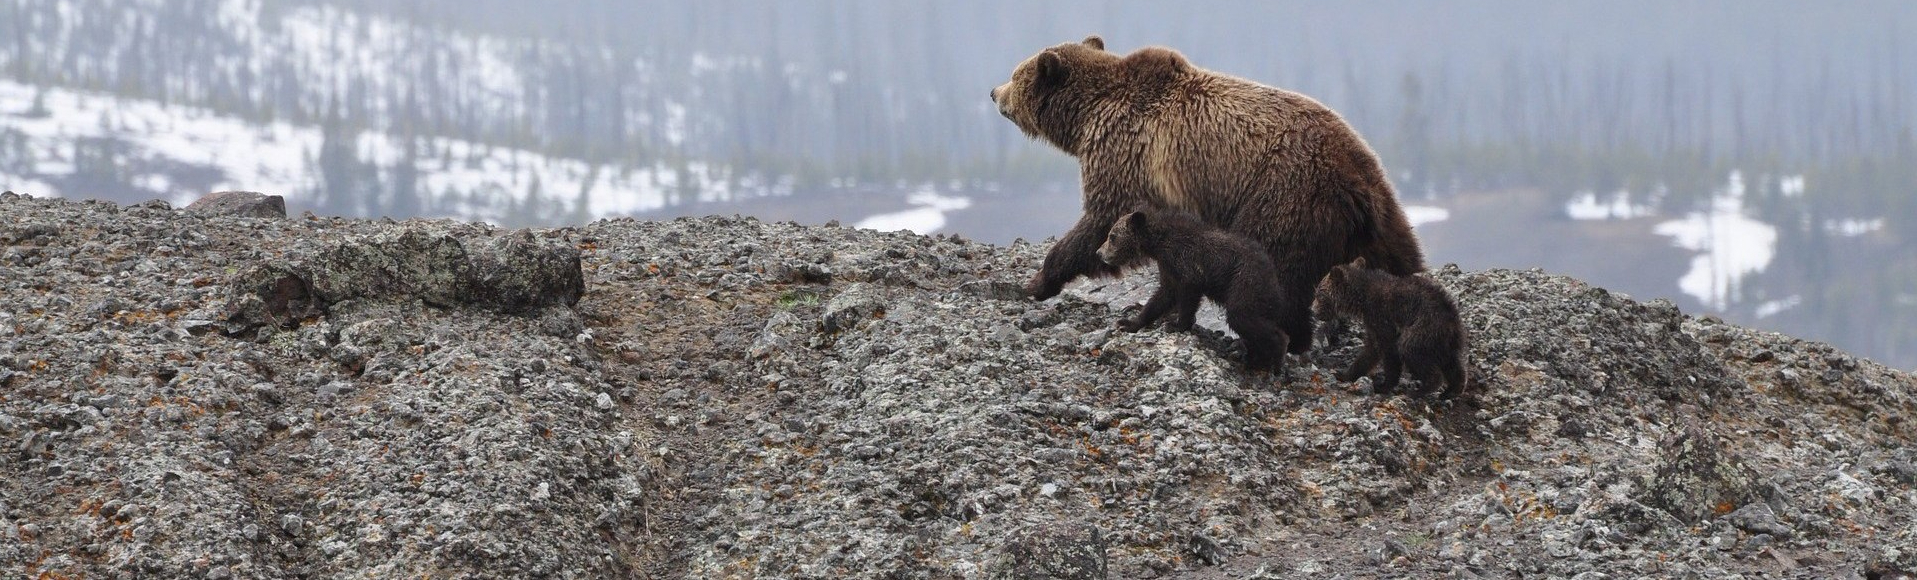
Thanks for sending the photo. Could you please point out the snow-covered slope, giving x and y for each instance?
(160, 142)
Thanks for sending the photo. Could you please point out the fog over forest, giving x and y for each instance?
(1754, 160)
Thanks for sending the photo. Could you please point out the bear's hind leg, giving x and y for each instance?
(1297, 328)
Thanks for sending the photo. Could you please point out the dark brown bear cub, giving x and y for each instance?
(1409, 322)
(1199, 261)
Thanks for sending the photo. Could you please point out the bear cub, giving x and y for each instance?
(1410, 322)
(1196, 260)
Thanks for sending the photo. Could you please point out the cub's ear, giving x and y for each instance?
(1051, 68)
(1358, 264)
(1135, 220)
(1095, 42)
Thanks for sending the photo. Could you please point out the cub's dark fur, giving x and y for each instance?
(1196, 261)
(1409, 322)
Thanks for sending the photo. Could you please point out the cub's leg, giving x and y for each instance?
(1393, 366)
(1454, 377)
(1264, 342)
(1187, 313)
(1367, 360)
(1161, 301)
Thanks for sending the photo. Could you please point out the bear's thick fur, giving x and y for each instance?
(1196, 260)
(1269, 164)
(1410, 323)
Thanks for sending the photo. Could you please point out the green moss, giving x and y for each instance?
(797, 298)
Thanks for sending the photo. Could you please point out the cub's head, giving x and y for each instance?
(1125, 245)
(1341, 292)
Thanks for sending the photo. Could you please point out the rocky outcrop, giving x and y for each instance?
(513, 273)
(240, 204)
(191, 395)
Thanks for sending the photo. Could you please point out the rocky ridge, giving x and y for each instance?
(191, 394)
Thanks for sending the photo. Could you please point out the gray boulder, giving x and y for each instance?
(514, 273)
(1053, 552)
(1699, 478)
(241, 204)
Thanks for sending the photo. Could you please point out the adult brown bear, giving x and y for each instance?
(1150, 129)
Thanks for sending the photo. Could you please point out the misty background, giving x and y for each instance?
(1753, 160)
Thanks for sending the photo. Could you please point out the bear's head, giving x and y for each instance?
(1125, 245)
(1056, 93)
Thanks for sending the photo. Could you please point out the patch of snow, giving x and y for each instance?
(1851, 228)
(675, 123)
(1769, 309)
(1617, 206)
(1791, 185)
(1731, 245)
(927, 218)
(1424, 214)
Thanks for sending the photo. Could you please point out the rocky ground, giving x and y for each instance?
(192, 394)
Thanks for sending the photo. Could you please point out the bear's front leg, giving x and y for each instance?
(1074, 255)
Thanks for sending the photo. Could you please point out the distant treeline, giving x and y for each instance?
(1624, 95)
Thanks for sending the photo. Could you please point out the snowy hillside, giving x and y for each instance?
(179, 153)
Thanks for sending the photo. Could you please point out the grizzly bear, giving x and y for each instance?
(1409, 322)
(1265, 163)
(1196, 260)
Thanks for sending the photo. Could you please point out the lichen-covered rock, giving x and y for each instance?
(414, 264)
(269, 294)
(240, 204)
(1052, 552)
(514, 273)
(519, 272)
(1697, 477)
(852, 306)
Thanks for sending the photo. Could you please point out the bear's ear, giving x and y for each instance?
(1358, 264)
(1136, 221)
(1051, 68)
(1095, 42)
